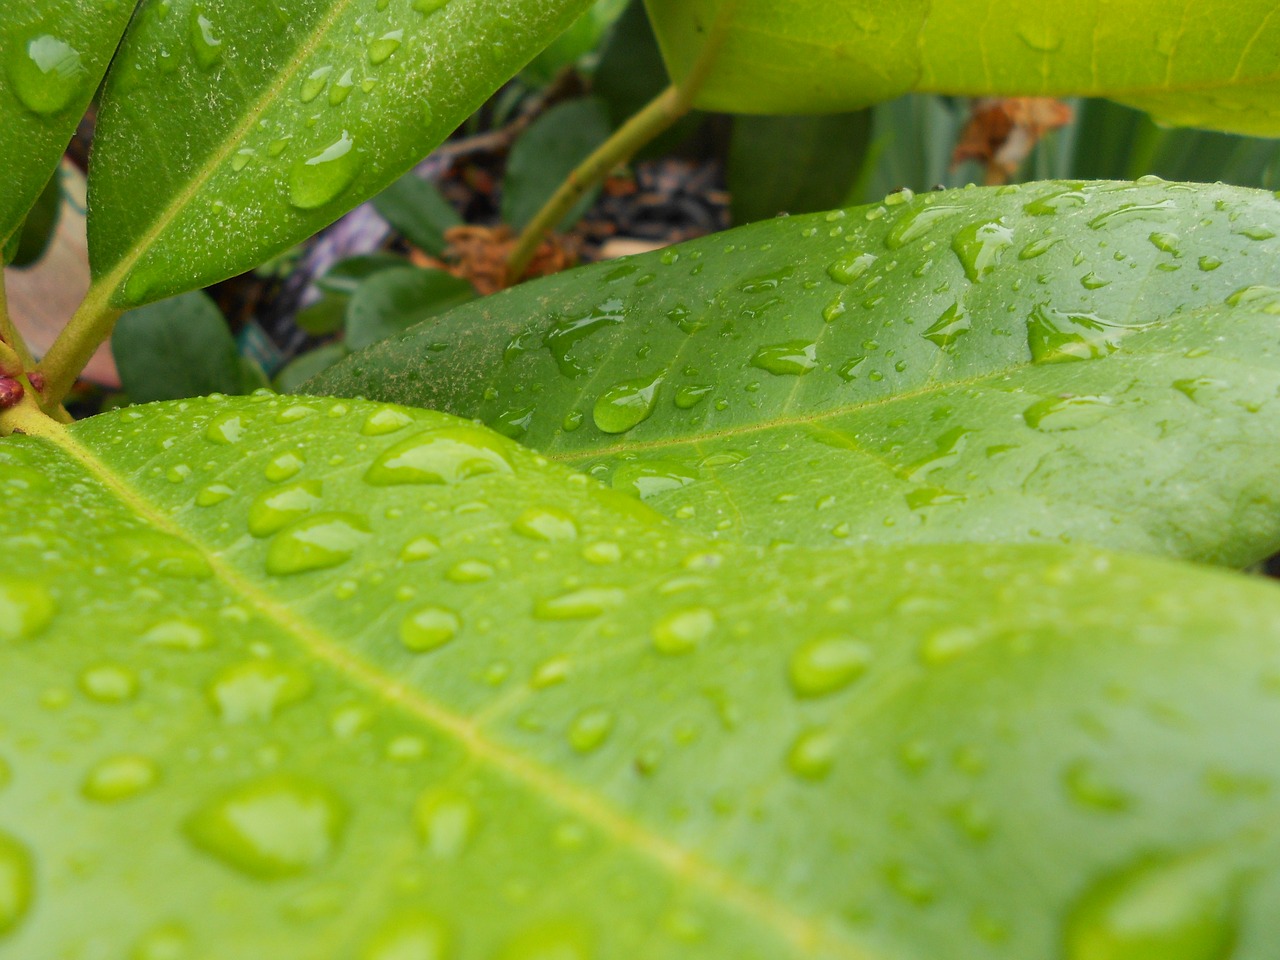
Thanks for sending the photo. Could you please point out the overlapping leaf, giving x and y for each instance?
(231, 130)
(53, 54)
(323, 679)
(1065, 361)
(1214, 64)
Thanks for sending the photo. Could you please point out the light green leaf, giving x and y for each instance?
(177, 348)
(53, 54)
(1212, 64)
(230, 130)
(316, 679)
(912, 371)
(392, 300)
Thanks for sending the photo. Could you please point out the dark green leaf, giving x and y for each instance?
(414, 207)
(231, 130)
(546, 154)
(38, 229)
(394, 300)
(298, 371)
(53, 54)
(176, 348)
(909, 371)
(795, 164)
(316, 679)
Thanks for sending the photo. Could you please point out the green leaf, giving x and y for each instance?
(230, 131)
(546, 154)
(37, 230)
(53, 54)
(299, 370)
(1211, 64)
(304, 678)
(909, 371)
(176, 348)
(795, 164)
(414, 207)
(393, 300)
(576, 44)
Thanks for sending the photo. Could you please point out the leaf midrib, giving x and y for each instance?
(805, 933)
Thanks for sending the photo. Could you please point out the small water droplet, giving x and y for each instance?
(214, 494)
(324, 176)
(109, 683)
(17, 882)
(849, 268)
(257, 690)
(410, 936)
(420, 548)
(950, 327)
(47, 74)
(827, 665)
(26, 609)
(385, 420)
(1133, 211)
(791, 358)
(272, 828)
(690, 395)
(980, 247)
(446, 456)
(627, 404)
(314, 83)
(584, 604)
(549, 524)
(284, 467)
(178, 635)
(446, 822)
(1055, 414)
(429, 628)
(1055, 201)
(205, 42)
(316, 543)
(917, 220)
(273, 510)
(158, 552)
(590, 729)
(812, 754)
(120, 778)
(341, 88)
(226, 429)
(683, 631)
(380, 50)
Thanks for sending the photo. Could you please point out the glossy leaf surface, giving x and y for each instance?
(53, 54)
(1213, 64)
(230, 130)
(1064, 361)
(316, 679)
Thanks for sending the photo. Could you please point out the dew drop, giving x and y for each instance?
(690, 395)
(316, 543)
(385, 420)
(470, 571)
(257, 690)
(548, 524)
(917, 221)
(120, 778)
(325, 176)
(225, 429)
(109, 683)
(590, 729)
(980, 247)
(1055, 414)
(1057, 337)
(429, 6)
(420, 548)
(160, 553)
(410, 936)
(205, 42)
(273, 510)
(214, 494)
(341, 88)
(585, 604)
(272, 828)
(17, 882)
(47, 74)
(848, 269)
(447, 456)
(627, 404)
(178, 635)
(1132, 211)
(387, 44)
(950, 327)
(683, 631)
(828, 665)
(284, 467)
(26, 609)
(812, 755)
(446, 822)
(792, 358)
(315, 83)
(429, 628)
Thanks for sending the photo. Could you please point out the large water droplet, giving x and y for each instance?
(683, 631)
(257, 690)
(429, 628)
(17, 882)
(849, 268)
(380, 50)
(1057, 200)
(917, 220)
(827, 665)
(325, 176)
(276, 827)
(26, 609)
(626, 404)
(446, 822)
(584, 604)
(1055, 414)
(1058, 337)
(1133, 211)
(317, 543)
(226, 428)
(792, 358)
(648, 478)
(205, 41)
(120, 778)
(284, 467)
(980, 247)
(447, 456)
(385, 420)
(275, 509)
(46, 74)
(567, 332)
(950, 327)
(1162, 908)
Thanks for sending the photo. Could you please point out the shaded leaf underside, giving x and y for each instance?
(517, 715)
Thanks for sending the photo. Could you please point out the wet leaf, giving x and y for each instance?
(1064, 361)
(303, 676)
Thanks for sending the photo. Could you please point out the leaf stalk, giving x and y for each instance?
(88, 329)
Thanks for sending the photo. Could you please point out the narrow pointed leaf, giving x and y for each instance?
(328, 679)
(53, 55)
(1212, 64)
(1064, 361)
(231, 130)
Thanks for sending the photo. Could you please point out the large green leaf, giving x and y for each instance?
(912, 371)
(318, 679)
(1213, 64)
(53, 54)
(230, 129)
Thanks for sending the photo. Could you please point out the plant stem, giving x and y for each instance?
(654, 119)
(27, 418)
(75, 346)
(9, 335)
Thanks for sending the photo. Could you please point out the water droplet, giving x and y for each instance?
(551, 941)
(272, 828)
(26, 609)
(1257, 233)
(275, 509)
(567, 332)
(109, 683)
(1038, 248)
(590, 729)
(160, 553)
(950, 643)
(1041, 37)
(169, 941)
(548, 524)
(1090, 788)
(410, 936)
(257, 690)
(420, 548)
(917, 220)
(1133, 211)
(1057, 337)
(429, 6)
(205, 42)
(1054, 414)
(446, 456)
(827, 665)
(1053, 202)
(980, 247)
(47, 74)
(315, 83)
(1161, 908)
(17, 882)
(1166, 243)
(691, 394)
(317, 543)
(178, 635)
(792, 358)
(214, 494)
(1268, 297)
(341, 88)
(848, 269)
(950, 327)
(1208, 264)
(446, 822)
(385, 420)
(584, 604)
(648, 478)
(283, 467)
(470, 571)
(326, 175)
(120, 778)
(812, 754)
(627, 404)
(225, 429)
(429, 628)
(683, 631)
(380, 50)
